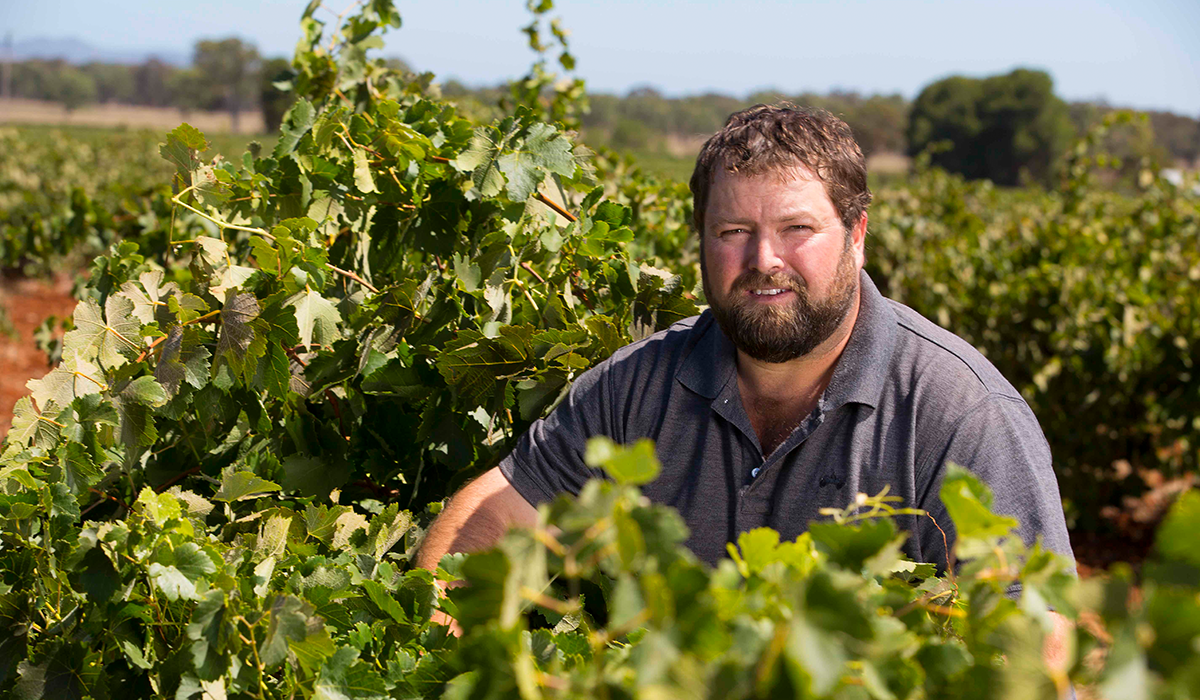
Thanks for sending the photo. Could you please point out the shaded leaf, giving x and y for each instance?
(316, 318)
(239, 485)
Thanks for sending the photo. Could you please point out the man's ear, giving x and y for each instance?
(858, 238)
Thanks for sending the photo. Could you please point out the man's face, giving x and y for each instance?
(779, 269)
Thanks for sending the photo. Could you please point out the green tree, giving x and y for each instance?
(72, 87)
(230, 70)
(273, 100)
(114, 82)
(151, 83)
(1003, 128)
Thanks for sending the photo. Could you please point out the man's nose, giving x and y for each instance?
(764, 254)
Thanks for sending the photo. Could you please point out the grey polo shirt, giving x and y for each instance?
(906, 397)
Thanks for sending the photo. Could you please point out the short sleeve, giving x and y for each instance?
(548, 458)
(999, 440)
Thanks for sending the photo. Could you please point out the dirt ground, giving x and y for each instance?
(27, 303)
(19, 111)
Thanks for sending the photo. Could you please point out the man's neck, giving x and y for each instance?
(777, 396)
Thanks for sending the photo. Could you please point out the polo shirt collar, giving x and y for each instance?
(858, 377)
(861, 373)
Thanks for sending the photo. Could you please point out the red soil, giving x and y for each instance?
(28, 303)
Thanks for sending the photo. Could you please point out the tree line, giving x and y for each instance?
(1008, 128)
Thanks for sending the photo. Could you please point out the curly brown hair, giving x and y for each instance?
(773, 138)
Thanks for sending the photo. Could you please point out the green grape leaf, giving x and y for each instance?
(186, 307)
(30, 427)
(111, 337)
(74, 377)
(231, 277)
(210, 630)
(290, 620)
(313, 651)
(193, 562)
(78, 471)
(158, 507)
(316, 318)
(98, 575)
(312, 476)
(144, 390)
(172, 582)
(382, 598)
(968, 501)
(236, 330)
(183, 147)
(543, 150)
(137, 424)
(851, 545)
(636, 464)
(240, 485)
(345, 677)
(297, 122)
(362, 173)
(480, 159)
(625, 603)
(182, 359)
(814, 657)
(757, 548)
(150, 298)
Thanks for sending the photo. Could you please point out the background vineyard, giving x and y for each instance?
(286, 355)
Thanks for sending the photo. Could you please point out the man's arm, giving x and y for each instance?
(476, 518)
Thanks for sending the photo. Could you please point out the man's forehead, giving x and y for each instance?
(780, 173)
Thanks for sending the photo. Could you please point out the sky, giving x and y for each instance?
(1130, 53)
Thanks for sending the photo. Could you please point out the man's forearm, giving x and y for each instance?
(475, 518)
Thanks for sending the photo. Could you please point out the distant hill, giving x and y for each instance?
(77, 51)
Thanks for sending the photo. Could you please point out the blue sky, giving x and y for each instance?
(1142, 54)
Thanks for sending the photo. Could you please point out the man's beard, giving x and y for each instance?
(779, 333)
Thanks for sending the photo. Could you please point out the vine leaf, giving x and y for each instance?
(291, 620)
(111, 337)
(239, 485)
(149, 299)
(345, 677)
(311, 475)
(184, 145)
(472, 362)
(210, 631)
(480, 160)
(73, 377)
(133, 404)
(316, 318)
(171, 582)
(362, 173)
(78, 472)
(236, 330)
(543, 150)
(183, 359)
(30, 427)
(298, 121)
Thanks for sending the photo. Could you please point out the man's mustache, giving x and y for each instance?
(754, 279)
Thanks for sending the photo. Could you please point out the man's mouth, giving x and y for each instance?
(767, 292)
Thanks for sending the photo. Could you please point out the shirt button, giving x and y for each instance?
(754, 472)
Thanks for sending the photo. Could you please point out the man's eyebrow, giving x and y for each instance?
(800, 213)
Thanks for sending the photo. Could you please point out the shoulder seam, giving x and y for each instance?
(909, 327)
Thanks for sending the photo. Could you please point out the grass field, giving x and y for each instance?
(20, 111)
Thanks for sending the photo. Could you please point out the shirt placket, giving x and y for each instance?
(754, 498)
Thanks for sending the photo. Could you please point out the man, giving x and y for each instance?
(799, 388)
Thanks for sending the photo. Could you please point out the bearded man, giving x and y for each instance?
(800, 387)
